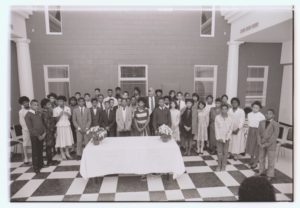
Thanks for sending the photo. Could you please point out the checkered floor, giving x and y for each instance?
(200, 183)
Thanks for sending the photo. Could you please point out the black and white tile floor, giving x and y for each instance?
(201, 183)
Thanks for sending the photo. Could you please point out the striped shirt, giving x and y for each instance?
(141, 116)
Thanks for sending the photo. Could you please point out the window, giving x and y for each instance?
(205, 80)
(207, 22)
(257, 78)
(53, 20)
(57, 79)
(131, 76)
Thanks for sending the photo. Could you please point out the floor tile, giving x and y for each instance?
(282, 197)
(227, 179)
(230, 168)
(28, 189)
(241, 167)
(109, 185)
(194, 163)
(132, 196)
(192, 158)
(158, 196)
(169, 184)
(281, 178)
(15, 164)
(41, 175)
(19, 200)
(69, 162)
(77, 186)
(205, 180)
(131, 184)
(67, 168)
(93, 185)
(207, 157)
(15, 186)
(154, 183)
(63, 174)
(211, 162)
(214, 192)
(89, 197)
(48, 169)
(46, 198)
(174, 195)
(106, 197)
(248, 173)
(185, 182)
(238, 176)
(200, 169)
(20, 170)
(285, 188)
(194, 199)
(53, 187)
(26, 176)
(190, 193)
(72, 198)
(234, 189)
(234, 162)
(220, 199)
(15, 176)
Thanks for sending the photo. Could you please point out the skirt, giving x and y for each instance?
(236, 144)
(252, 145)
(175, 134)
(64, 137)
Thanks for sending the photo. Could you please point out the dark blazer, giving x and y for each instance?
(268, 136)
(161, 117)
(34, 123)
(106, 121)
(96, 118)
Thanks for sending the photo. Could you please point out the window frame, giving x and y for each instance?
(48, 32)
(47, 80)
(259, 79)
(213, 79)
(133, 78)
(213, 22)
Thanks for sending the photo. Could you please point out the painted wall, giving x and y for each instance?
(94, 43)
(262, 54)
(14, 85)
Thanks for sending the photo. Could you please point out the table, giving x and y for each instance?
(131, 155)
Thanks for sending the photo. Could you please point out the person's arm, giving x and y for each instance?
(260, 132)
(74, 118)
(230, 128)
(29, 124)
(129, 117)
(89, 119)
(154, 120)
(113, 120)
(119, 119)
(169, 118)
(274, 136)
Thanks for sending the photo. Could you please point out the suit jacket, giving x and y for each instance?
(82, 121)
(161, 117)
(95, 118)
(268, 136)
(108, 121)
(147, 99)
(121, 124)
(34, 123)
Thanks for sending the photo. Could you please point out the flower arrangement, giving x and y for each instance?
(165, 132)
(96, 134)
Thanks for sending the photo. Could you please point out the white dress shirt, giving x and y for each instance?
(254, 119)
(22, 114)
(223, 127)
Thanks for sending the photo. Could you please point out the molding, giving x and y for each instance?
(237, 43)
(21, 40)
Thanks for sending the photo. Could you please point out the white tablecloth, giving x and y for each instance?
(131, 155)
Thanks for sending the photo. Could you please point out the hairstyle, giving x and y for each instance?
(258, 103)
(172, 91)
(133, 97)
(44, 102)
(201, 102)
(141, 100)
(33, 101)
(185, 94)
(111, 100)
(98, 89)
(235, 99)
(109, 90)
(94, 99)
(161, 98)
(23, 99)
(106, 102)
(176, 105)
(179, 93)
(189, 100)
(62, 97)
(123, 99)
(224, 96)
(158, 90)
(117, 88)
(209, 96)
(81, 98)
(77, 93)
(51, 94)
(100, 95)
(126, 92)
(272, 110)
(72, 98)
(137, 89)
(224, 105)
(167, 97)
(196, 95)
(218, 100)
(256, 189)
(247, 110)
(85, 94)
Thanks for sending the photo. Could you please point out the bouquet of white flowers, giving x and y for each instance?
(165, 132)
(96, 134)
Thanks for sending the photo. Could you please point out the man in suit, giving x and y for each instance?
(108, 119)
(95, 113)
(268, 131)
(82, 122)
(124, 119)
(151, 104)
(161, 115)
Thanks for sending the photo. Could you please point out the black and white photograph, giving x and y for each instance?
(150, 104)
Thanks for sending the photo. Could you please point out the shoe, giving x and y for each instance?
(55, 162)
(26, 163)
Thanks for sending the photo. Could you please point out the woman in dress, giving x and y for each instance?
(252, 146)
(141, 119)
(212, 134)
(64, 139)
(172, 95)
(236, 144)
(203, 121)
(175, 120)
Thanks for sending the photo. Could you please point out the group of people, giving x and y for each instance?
(217, 126)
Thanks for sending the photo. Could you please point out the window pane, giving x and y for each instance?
(133, 71)
(57, 72)
(204, 88)
(130, 85)
(204, 71)
(249, 101)
(256, 72)
(206, 22)
(59, 88)
(54, 19)
(255, 88)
